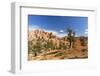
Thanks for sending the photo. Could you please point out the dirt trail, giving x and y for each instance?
(61, 54)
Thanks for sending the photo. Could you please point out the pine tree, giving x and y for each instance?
(71, 37)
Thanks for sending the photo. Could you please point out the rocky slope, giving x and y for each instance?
(44, 45)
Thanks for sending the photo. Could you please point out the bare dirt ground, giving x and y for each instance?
(61, 54)
(79, 50)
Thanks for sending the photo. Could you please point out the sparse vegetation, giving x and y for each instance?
(47, 46)
(59, 54)
(83, 40)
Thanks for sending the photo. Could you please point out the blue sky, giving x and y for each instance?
(58, 24)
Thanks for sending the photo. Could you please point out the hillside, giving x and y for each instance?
(44, 45)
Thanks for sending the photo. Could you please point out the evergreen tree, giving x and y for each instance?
(71, 37)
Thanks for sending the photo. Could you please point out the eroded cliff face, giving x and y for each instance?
(44, 45)
(43, 37)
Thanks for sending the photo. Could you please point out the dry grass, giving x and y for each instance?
(78, 52)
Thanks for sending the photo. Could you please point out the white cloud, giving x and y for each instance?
(62, 34)
(61, 31)
(86, 32)
(33, 27)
